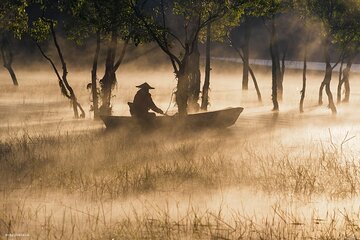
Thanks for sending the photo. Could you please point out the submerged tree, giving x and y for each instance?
(302, 9)
(221, 31)
(269, 11)
(40, 32)
(218, 31)
(330, 13)
(82, 26)
(175, 26)
(116, 21)
(247, 22)
(206, 86)
(248, 68)
(111, 22)
(246, 51)
(7, 57)
(42, 28)
(243, 51)
(13, 19)
(346, 32)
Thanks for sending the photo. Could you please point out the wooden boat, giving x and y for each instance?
(214, 119)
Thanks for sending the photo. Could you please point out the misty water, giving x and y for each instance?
(37, 108)
(291, 64)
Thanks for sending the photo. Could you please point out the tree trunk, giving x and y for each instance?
(347, 91)
(338, 95)
(65, 82)
(322, 85)
(331, 100)
(275, 66)
(327, 79)
(283, 66)
(193, 69)
(245, 49)
(181, 94)
(303, 90)
(258, 93)
(94, 77)
(279, 82)
(282, 74)
(326, 84)
(109, 79)
(327, 73)
(251, 72)
(12, 74)
(276, 60)
(108, 82)
(7, 57)
(346, 80)
(205, 90)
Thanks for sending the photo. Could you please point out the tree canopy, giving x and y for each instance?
(13, 16)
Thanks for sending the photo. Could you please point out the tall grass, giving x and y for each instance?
(96, 223)
(112, 165)
(102, 169)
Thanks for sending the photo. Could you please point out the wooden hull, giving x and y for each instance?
(215, 119)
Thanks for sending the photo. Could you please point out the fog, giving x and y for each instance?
(260, 153)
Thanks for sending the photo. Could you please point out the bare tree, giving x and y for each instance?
(194, 16)
(7, 56)
(94, 89)
(246, 62)
(206, 86)
(65, 87)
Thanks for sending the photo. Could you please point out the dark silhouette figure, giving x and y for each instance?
(143, 103)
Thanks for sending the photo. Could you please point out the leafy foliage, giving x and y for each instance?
(175, 24)
(106, 17)
(346, 28)
(221, 27)
(40, 29)
(339, 20)
(266, 8)
(13, 16)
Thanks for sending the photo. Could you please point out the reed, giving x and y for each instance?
(96, 172)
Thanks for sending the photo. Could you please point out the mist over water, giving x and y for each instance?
(290, 64)
(254, 190)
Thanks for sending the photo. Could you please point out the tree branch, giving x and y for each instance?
(165, 31)
(122, 55)
(341, 57)
(54, 68)
(176, 63)
(50, 61)
(64, 68)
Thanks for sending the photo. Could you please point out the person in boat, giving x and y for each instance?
(143, 103)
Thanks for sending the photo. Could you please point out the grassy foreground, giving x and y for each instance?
(86, 186)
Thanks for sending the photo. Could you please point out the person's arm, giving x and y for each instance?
(154, 107)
